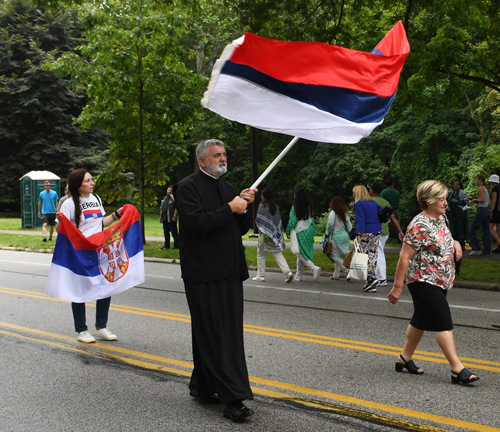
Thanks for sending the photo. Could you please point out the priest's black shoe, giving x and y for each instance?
(211, 399)
(236, 411)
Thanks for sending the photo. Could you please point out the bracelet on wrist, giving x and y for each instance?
(117, 215)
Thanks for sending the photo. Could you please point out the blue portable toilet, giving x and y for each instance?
(31, 185)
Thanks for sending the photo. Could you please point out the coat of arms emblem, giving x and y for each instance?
(113, 257)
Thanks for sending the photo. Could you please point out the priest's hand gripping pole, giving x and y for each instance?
(274, 163)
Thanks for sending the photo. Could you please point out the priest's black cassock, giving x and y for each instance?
(213, 268)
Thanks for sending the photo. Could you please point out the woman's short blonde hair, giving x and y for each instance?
(361, 193)
(430, 192)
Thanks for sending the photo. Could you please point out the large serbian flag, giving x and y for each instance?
(312, 90)
(99, 266)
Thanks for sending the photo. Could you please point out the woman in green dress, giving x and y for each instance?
(301, 229)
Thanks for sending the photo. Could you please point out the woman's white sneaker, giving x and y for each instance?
(105, 334)
(259, 279)
(85, 337)
(289, 277)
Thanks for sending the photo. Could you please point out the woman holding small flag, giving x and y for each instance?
(84, 210)
(301, 229)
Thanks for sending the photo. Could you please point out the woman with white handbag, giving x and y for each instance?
(368, 230)
(338, 227)
(301, 229)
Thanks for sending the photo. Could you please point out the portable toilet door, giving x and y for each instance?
(32, 184)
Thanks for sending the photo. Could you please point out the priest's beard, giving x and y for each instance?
(216, 169)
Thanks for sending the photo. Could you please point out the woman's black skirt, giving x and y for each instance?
(431, 309)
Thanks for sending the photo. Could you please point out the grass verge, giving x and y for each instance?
(474, 270)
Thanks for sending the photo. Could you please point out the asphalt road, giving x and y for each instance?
(320, 355)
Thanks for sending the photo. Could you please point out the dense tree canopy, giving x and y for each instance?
(36, 107)
(444, 122)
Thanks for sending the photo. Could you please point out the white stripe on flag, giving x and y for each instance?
(245, 102)
(66, 285)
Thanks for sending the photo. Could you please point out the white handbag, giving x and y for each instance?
(294, 243)
(359, 264)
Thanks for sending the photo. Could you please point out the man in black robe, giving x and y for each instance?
(212, 219)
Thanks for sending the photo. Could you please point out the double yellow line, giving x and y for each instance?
(274, 389)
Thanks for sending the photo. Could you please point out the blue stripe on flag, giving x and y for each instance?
(133, 239)
(351, 105)
(81, 262)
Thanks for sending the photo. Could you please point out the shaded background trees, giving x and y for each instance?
(444, 122)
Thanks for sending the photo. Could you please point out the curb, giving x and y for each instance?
(483, 286)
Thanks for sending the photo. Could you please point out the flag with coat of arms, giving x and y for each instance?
(99, 266)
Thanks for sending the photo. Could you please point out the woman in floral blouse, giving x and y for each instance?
(427, 259)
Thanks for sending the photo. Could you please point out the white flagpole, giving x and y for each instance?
(274, 163)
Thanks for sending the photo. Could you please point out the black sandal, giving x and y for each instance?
(464, 377)
(410, 366)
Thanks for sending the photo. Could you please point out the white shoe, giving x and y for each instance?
(85, 337)
(298, 278)
(382, 283)
(289, 277)
(259, 279)
(472, 253)
(105, 334)
(316, 273)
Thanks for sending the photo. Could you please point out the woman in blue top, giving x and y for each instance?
(368, 229)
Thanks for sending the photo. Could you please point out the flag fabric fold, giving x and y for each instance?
(104, 264)
(312, 90)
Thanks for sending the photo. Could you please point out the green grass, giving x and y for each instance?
(472, 269)
(23, 242)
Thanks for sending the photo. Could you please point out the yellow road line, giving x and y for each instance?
(268, 383)
(286, 334)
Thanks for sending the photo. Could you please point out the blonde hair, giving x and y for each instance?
(430, 192)
(361, 193)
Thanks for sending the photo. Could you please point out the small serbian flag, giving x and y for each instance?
(312, 90)
(99, 266)
(92, 213)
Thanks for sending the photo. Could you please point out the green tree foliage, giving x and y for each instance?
(133, 69)
(36, 107)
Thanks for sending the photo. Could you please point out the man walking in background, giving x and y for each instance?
(47, 207)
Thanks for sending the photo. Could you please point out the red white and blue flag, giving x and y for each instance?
(312, 90)
(99, 266)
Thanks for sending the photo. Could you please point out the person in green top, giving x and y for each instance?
(390, 194)
(301, 229)
(381, 271)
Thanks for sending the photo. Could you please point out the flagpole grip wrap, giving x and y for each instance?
(274, 163)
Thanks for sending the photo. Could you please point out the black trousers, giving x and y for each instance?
(170, 227)
(218, 349)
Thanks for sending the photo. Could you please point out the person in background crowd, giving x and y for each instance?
(368, 229)
(427, 260)
(392, 196)
(338, 227)
(481, 219)
(458, 202)
(61, 201)
(212, 218)
(85, 211)
(381, 271)
(271, 239)
(47, 209)
(168, 217)
(495, 211)
(301, 229)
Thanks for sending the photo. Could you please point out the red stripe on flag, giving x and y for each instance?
(319, 63)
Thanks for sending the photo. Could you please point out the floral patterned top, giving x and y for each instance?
(433, 261)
